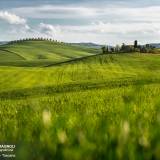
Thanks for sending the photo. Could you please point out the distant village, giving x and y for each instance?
(129, 48)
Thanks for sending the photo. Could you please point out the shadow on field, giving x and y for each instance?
(61, 89)
(73, 60)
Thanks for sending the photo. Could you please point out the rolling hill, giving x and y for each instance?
(79, 94)
(39, 53)
(101, 105)
(3, 42)
(88, 45)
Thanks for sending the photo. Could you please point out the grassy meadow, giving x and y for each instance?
(41, 53)
(100, 107)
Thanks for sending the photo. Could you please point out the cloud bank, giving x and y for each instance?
(111, 23)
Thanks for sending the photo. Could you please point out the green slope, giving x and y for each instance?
(7, 56)
(101, 68)
(103, 107)
(37, 53)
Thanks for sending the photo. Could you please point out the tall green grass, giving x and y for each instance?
(104, 107)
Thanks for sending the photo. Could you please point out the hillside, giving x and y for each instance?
(156, 45)
(88, 45)
(3, 42)
(39, 53)
(113, 96)
(75, 94)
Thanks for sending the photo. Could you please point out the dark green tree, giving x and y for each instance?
(135, 44)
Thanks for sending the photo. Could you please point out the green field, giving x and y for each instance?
(100, 107)
(40, 53)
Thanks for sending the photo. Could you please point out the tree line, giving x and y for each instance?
(36, 39)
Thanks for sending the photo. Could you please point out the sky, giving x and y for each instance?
(99, 21)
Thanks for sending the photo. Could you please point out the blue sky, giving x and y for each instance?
(103, 21)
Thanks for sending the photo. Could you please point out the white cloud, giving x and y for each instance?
(103, 28)
(150, 14)
(49, 29)
(110, 13)
(55, 11)
(124, 28)
(113, 24)
(11, 18)
(109, 33)
(18, 25)
(101, 32)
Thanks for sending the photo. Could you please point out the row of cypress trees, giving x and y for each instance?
(36, 39)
